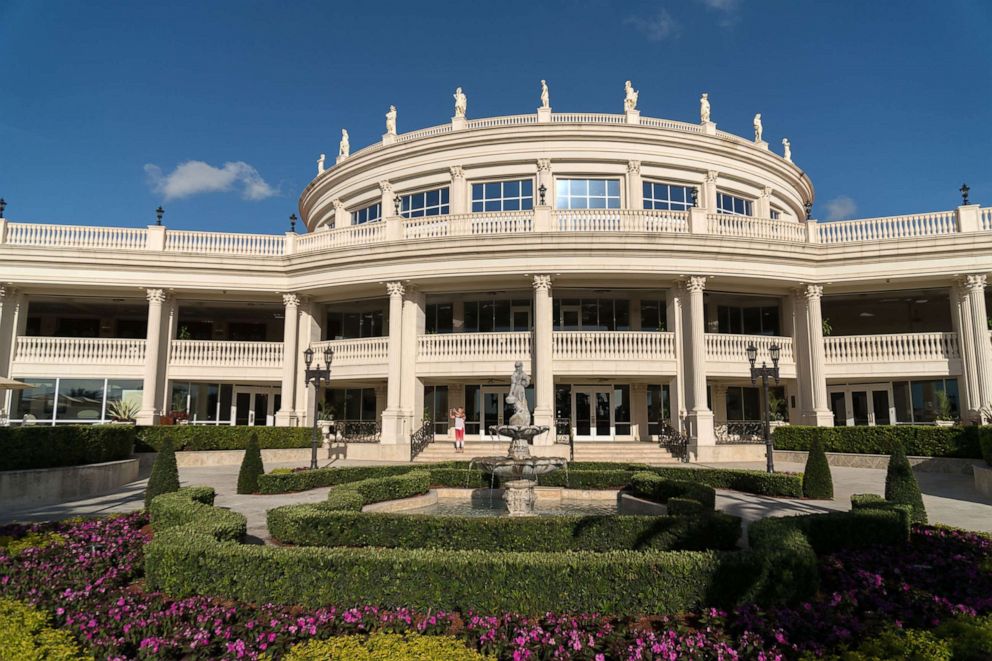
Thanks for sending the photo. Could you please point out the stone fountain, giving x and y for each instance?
(518, 470)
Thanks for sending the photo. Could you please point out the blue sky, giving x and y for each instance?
(888, 105)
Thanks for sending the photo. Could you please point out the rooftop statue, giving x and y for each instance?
(344, 148)
(704, 108)
(391, 121)
(757, 127)
(788, 149)
(461, 103)
(545, 97)
(320, 163)
(630, 100)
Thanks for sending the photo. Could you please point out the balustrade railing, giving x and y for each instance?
(739, 431)
(621, 220)
(755, 228)
(985, 218)
(500, 222)
(366, 350)
(355, 431)
(76, 236)
(80, 350)
(727, 347)
(891, 227)
(613, 345)
(474, 346)
(210, 353)
(225, 243)
(352, 235)
(890, 347)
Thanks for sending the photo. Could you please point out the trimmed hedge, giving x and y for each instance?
(381, 646)
(221, 437)
(761, 483)
(251, 467)
(918, 440)
(26, 633)
(190, 511)
(901, 485)
(872, 501)
(986, 443)
(272, 483)
(31, 447)
(165, 473)
(817, 481)
(319, 525)
(653, 487)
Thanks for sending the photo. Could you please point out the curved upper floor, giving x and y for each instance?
(627, 152)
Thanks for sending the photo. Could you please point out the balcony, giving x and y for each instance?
(726, 354)
(367, 357)
(613, 353)
(891, 355)
(219, 359)
(77, 356)
(471, 354)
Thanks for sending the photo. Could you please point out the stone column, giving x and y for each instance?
(309, 330)
(8, 330)
(545, 176)
(700, 418)
(707, 197)
(804, 373)
(411, 388)
(763, 205)
(674, 322)
(387, 200)
(341, 216)
(392, 415)
(821, 416)
(639, 411)
(542, 358)
(968, 384)
(150, 412)
(286, 416)
(975, 285)
(719, 403)
(459, 191)
(635, 193)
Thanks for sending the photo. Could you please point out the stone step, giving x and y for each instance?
(622, 452)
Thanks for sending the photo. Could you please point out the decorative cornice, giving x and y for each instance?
(155, 295)
(395, 289)
(542, 282)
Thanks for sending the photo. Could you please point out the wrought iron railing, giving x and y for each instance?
(356, 431)
(740, 431)
(675, 441)
(565, 436)
(421, 438)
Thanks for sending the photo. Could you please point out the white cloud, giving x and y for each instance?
(726, 8)
(659, 27)
(841, 208)
(721, 5)
(196, 177)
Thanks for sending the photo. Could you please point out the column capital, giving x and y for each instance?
(6, 290)
(544, 165)
(542, 282)
(457, 172)
(291, 300)
(395, 289)
(766, 192)
(338, 204)
(385, 187)
(155, 295)
(711, 176)
(812, 292)
(973, 282)
(634, 167)
(694, 283)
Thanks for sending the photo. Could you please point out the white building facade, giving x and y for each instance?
(627, 261)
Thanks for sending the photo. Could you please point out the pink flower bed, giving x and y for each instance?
(92, 585)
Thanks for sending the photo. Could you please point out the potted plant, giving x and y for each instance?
(827, 328)
(123, 411)
(943, 414)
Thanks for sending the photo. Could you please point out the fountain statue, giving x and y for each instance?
(518, 470)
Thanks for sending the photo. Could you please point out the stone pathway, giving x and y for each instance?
(950, 499)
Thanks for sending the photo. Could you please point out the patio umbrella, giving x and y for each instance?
(11, 384)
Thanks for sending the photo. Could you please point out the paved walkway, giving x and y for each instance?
(950, 499)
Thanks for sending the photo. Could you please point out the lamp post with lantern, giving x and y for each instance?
(318, 376)
(764, 372)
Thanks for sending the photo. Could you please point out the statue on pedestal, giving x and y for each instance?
(391, 121)
(545, 96)
(704, 108)
(320, 163)
(344, 148)
(461, 103)
(630, 98)
(757, 127)
(517, 397)
(787, 146)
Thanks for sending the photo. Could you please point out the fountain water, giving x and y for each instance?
(518, 470)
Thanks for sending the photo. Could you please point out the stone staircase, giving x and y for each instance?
(619, 452)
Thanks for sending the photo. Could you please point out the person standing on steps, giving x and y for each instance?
(458, 415)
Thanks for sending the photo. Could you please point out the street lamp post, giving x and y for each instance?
(318, 376)
(764, 372)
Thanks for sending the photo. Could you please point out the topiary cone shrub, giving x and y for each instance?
(251, 467)
(165, 473)
(817, 481)
(901, 486)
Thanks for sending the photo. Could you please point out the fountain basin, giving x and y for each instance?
(550, 501)
(529, 468)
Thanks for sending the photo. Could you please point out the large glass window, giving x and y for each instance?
(515, 195)
(730, 204)
(621, 410)
(80, 400)
(436, 407)
(654, 315)
(203, 403)
(352, 404)
(72, 400)
(497, 315)
(659, 408)
(355, 325)
(439, 318)
(425, 203)
(743, 403)
(35, 403)
(369, 214)
(587, 193)
(611, 314)
(755, 320)
(670, 197)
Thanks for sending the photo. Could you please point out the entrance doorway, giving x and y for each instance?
(494, 410)
(592, 414)
(867, 404)
(254, 406)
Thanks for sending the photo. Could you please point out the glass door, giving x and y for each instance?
(253, 407)
(592, 412)
(493, 411)
(862, 405)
